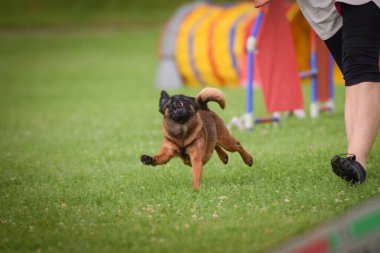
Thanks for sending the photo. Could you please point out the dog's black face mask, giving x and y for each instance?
(180, 107)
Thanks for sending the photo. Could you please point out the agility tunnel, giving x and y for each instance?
(203, 44)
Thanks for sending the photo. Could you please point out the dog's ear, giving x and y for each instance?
(194, 104)
(164, 101)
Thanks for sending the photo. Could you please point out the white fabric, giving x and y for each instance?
(323, 16)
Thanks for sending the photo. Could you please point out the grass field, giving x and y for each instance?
(77, 109)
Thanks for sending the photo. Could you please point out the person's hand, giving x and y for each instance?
(260, 3)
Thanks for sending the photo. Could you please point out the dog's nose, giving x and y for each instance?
(178, 103)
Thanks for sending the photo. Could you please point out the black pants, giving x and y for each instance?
(356, 46)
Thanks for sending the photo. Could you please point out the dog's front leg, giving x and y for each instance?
(196, 158)
(163, 156)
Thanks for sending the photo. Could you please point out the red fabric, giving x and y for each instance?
(338, 8)
(276, 61)
(323, 67)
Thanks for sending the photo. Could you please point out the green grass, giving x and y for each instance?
(85, 13)
(76, 112)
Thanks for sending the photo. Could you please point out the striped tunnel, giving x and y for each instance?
(210, 44)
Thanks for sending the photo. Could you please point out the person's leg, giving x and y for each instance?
(362, 118)
(360, 60)
(334, 44)
(360, 64)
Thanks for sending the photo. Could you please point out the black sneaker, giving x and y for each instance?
(348, 169)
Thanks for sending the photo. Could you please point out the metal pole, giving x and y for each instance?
(251, 46)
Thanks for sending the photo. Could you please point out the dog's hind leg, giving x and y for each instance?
(163, 156)
(229, 143)
(222, 155)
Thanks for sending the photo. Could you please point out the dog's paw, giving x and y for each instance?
(248, 160)
(147, 160)
(225, 159)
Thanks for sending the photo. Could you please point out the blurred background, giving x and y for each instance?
(87, 13)
(79, 105)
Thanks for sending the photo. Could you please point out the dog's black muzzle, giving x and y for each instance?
(179, 113)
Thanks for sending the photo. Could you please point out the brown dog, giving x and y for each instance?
(192, 131)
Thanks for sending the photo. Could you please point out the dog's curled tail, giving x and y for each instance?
(210, 94)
